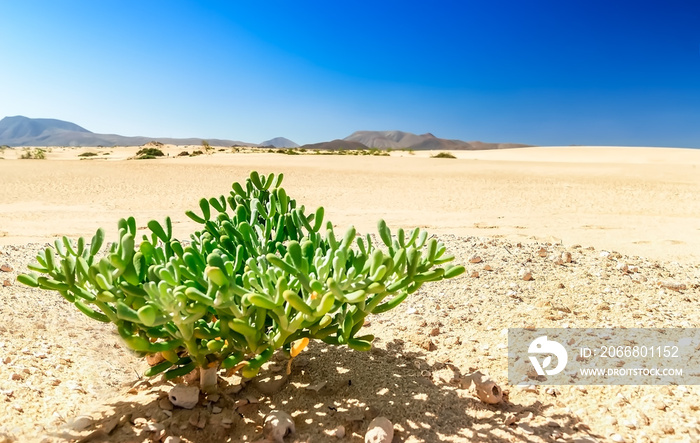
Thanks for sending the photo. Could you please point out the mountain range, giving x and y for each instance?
(406, 140)
(22, 131)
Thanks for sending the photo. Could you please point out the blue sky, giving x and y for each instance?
(536, 72)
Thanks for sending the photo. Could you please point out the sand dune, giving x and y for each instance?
(642, 201)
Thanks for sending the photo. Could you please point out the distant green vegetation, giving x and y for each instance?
(184, 154)
(148, 153)
(290, 151)
(196, 153)
(33, 154)
(88, 154)
(208, 149)
(443, 155)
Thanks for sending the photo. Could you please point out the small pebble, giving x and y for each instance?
(165, 404)
(525, 274)
(82, 422)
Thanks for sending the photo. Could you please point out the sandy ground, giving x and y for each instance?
(607, 207)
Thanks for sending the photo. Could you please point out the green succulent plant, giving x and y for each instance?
(260, 275)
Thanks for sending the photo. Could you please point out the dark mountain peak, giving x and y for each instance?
(335, 145)
(279, 142)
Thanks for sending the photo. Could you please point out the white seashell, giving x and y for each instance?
(184, 396)
(380, 430)
(486, 389)
(277, 425)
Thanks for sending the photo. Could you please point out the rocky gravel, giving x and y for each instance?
(64, 377)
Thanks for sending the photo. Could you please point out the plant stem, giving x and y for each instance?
(208, 378)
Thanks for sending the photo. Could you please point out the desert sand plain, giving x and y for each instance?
(628, 217)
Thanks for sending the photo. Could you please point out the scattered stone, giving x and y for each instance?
(184, 396)
(249, 410)
(165, 404)
(488, 268)
(317, 386)
(434, 332)
(475, 274)
(542, 252)
(526, 428)
(7, 283)
(6, 268)
(154, 427)
(525, 274)
(667, 429)
(277, 425)
(380, 430)
(198, 420)
(617, 438)
(425, 343)
(171, 439)
(552, 391)
(474, 259)
(339, 432)
(509, 419)
(674, 286)
(623, 267)
(82, 422)
(566, 257)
